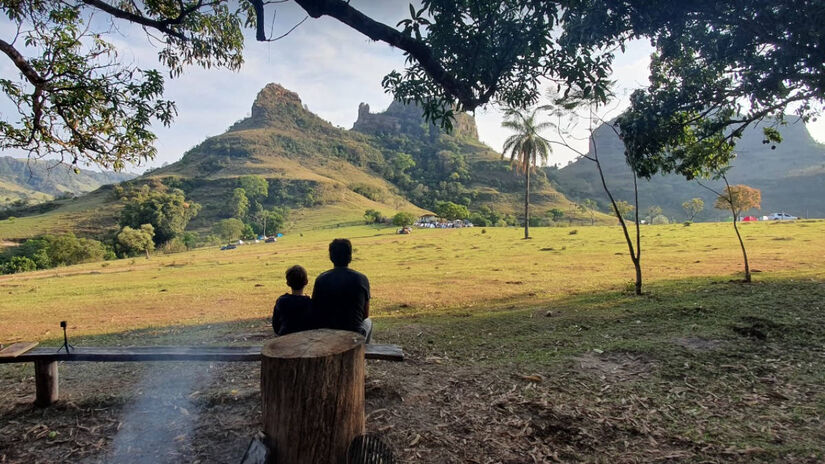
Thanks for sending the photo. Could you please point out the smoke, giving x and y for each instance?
(157, 426)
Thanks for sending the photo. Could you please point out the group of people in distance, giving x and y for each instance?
(340, 298)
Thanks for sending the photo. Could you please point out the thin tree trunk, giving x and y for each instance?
(635, 254)
(527, 202)
(736, 228)
(638, 261)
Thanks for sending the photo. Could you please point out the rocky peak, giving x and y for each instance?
(276, 106)
(400, 118)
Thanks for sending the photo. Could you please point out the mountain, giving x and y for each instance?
(791, 177)
(326, 176)
(37, 181)
(430, 165)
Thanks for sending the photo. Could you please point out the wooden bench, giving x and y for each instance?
(45, 359)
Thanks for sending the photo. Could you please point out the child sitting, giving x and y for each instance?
(292, 310)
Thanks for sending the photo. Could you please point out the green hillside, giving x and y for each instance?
(36, 181)
(453, 167)
(791, 177)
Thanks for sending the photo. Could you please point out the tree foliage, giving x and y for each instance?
(693, 207)
(255, 187)
(738, 198)
(77, 100)
(451, 211)
(167, 211)
(623, 208)
(372, 216)
(403, 219)
(136, 241)
(238, 204)
(229, 229)
(719, 67)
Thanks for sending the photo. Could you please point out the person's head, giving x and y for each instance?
(296, 277)
(340, 252)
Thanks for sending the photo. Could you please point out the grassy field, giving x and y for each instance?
(428, 272)
(519, 350)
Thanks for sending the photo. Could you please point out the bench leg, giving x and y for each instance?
(45, 379)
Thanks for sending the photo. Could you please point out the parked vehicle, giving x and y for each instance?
(271, 240)
(781, 217)
(228, 247)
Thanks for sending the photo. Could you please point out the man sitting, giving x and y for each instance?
(341, 296)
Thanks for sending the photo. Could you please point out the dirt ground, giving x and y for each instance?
(428, 409)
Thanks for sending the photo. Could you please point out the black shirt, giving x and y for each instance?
(339, 299)
(291, 314)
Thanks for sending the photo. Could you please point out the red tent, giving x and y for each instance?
(749, 219)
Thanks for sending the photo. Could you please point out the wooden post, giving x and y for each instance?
(45, 380)
(312, 389)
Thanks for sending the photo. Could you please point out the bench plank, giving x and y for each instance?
(176, 353)
(16, 349)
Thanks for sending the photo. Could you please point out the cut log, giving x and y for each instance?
(45, 380)
(312, 389)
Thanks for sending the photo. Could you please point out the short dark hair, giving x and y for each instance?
(296, 277)
(340, 252)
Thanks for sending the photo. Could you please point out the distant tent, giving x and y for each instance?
(749, 219)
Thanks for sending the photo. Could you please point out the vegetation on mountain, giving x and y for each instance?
(168, 212)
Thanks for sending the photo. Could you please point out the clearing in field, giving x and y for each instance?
(518, 350)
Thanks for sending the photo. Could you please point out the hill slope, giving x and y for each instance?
(791, 177)
(391, 161)
(38, 181)
(453, 167)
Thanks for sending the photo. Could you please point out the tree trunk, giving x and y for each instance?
(312, 389)
(744, 253)
(45, 381)
(527, 203)
(638, 287)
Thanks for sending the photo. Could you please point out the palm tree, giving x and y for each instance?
(526, 147)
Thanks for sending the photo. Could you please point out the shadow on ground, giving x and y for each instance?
(694, 371)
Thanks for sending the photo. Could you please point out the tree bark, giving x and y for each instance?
(312, 389)
(527, 202)
(46, 385)
(744, 253)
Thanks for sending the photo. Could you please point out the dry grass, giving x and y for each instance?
(428, 272)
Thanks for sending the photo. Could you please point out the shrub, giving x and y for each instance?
(175, 245)
(573, 232)
(403, 219)
(19, 264)
(661, 219)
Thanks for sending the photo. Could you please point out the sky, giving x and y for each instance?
(330, 66)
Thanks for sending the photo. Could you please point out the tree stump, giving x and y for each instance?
(312, 389)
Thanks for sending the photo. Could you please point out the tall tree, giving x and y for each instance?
(77, 100)
(736, 199)
(526, 147)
